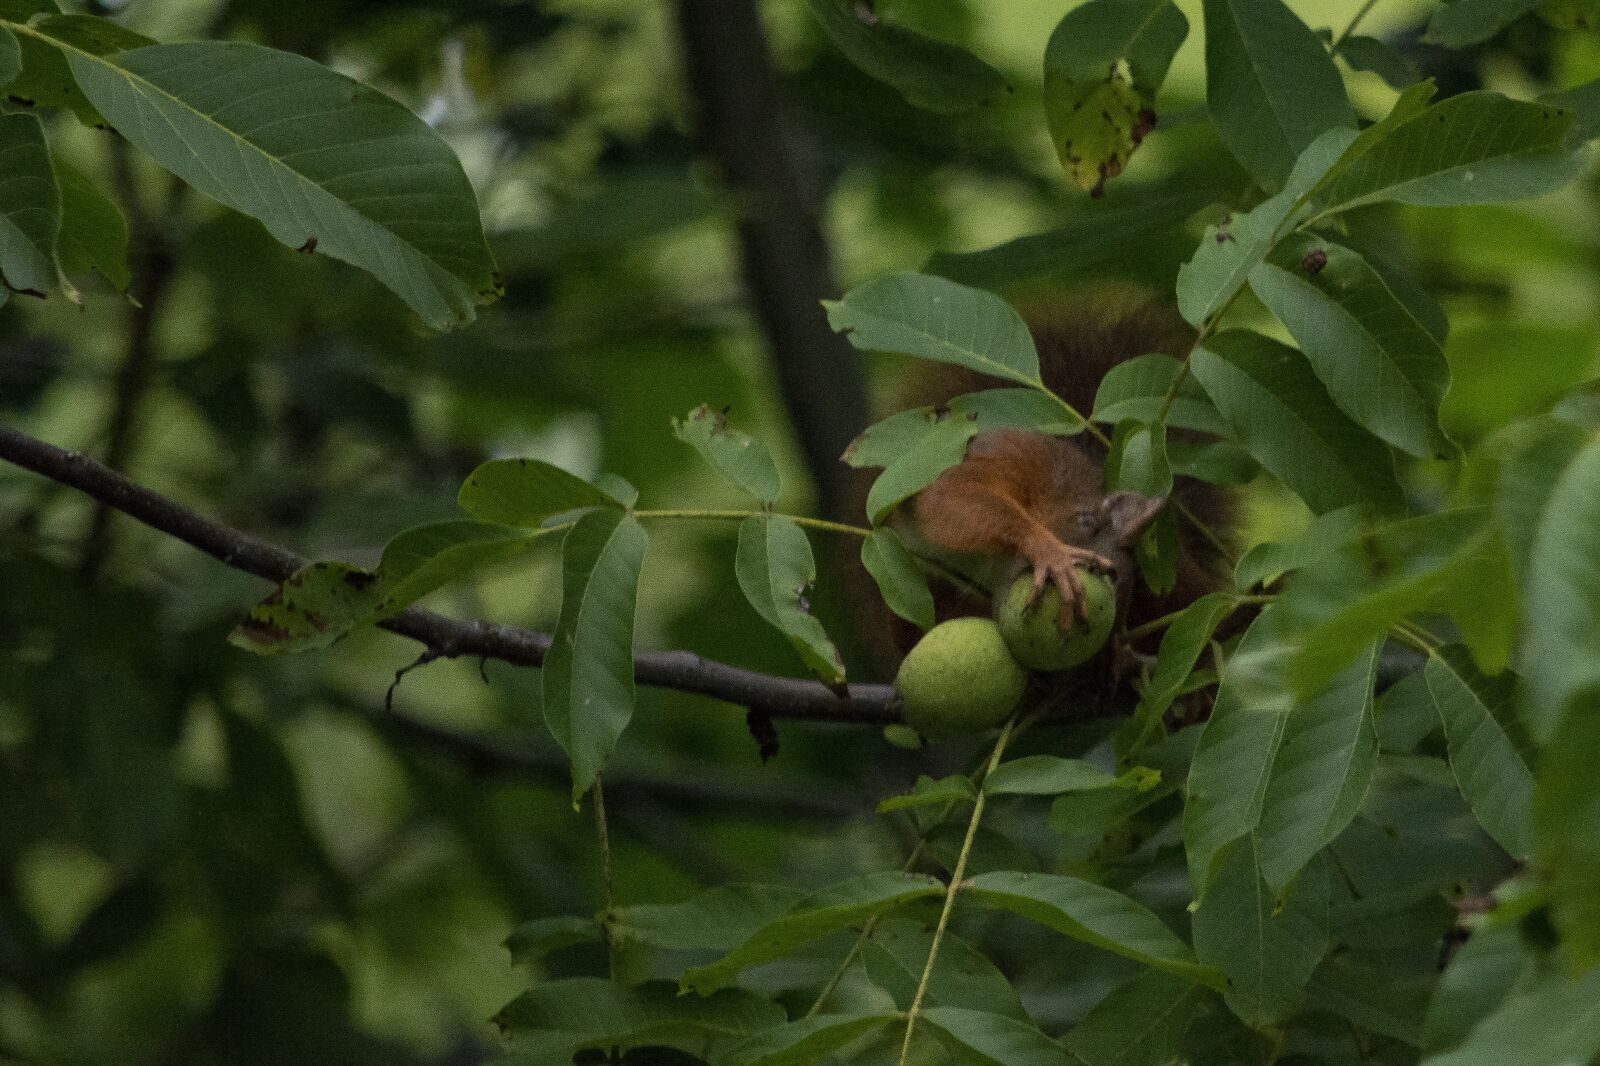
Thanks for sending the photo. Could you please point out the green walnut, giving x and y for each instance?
(959, 679)
(1035, 634)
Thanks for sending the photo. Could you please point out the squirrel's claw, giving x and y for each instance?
(1059, 568)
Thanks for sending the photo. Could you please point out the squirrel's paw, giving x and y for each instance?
(1058, 566)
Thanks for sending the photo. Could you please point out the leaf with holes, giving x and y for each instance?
(737, 456)
(775, 567)
(1102, 68)
(315, 607)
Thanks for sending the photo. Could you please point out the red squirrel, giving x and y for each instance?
(1040, 500)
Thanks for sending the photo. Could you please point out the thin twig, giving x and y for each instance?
(950, 892)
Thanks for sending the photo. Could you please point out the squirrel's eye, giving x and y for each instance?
(1087, 521)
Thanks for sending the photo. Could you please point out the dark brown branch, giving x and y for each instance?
(740, 122)
(778, 697)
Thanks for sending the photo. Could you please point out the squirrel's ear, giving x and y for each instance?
(1131, 514)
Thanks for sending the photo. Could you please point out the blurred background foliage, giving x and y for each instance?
(208, 857)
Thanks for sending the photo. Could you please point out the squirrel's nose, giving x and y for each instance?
(1131, 514)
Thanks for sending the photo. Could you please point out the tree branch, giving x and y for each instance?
(778, 697)
(740, 122)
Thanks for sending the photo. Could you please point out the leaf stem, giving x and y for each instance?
(1355, 20)
(735, 516)
(954, 887)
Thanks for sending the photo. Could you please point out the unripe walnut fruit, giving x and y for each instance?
(1034, 633)
(959, 679)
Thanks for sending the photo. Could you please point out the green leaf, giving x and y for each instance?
(1102, 68)
(30, 207)
(1584, 103)
(527, 492)
(1320, 771)
(933, 318)
(803, 1042)
(1233, 761)
(1464, 22)
(1378, 57)
(1475, 148)
(717, 919)
(94, 235)
(840, 906)
(46, 80)
(894, 437)
(1377, 996)
(324, 162)
(1268, 948)
(425, 557)
(315, 607)
(1137, 461)
(1561, 644)
(927, 792)
(1566, 832)
(1220, 462)
(1554, 1023)
(10, 57)
(963, 976)
(1231, 249)
(775, 567)
(1480, 976)
(1140, 1024)
(559, 1018)
(943, 447)
(929, 73)
(1181, 646)
(1137, 389)
(1096, 235)
(1278, 410)
(588, 671)
(1271, 86)
(996, 1039)
(1487, 750)
(1380, 365)
(1448, 562)
(1532, 457)
(1265, 563)
(739, 457)
(1093, 914)
(1051, 775)
(900, 580)
(531, 941)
